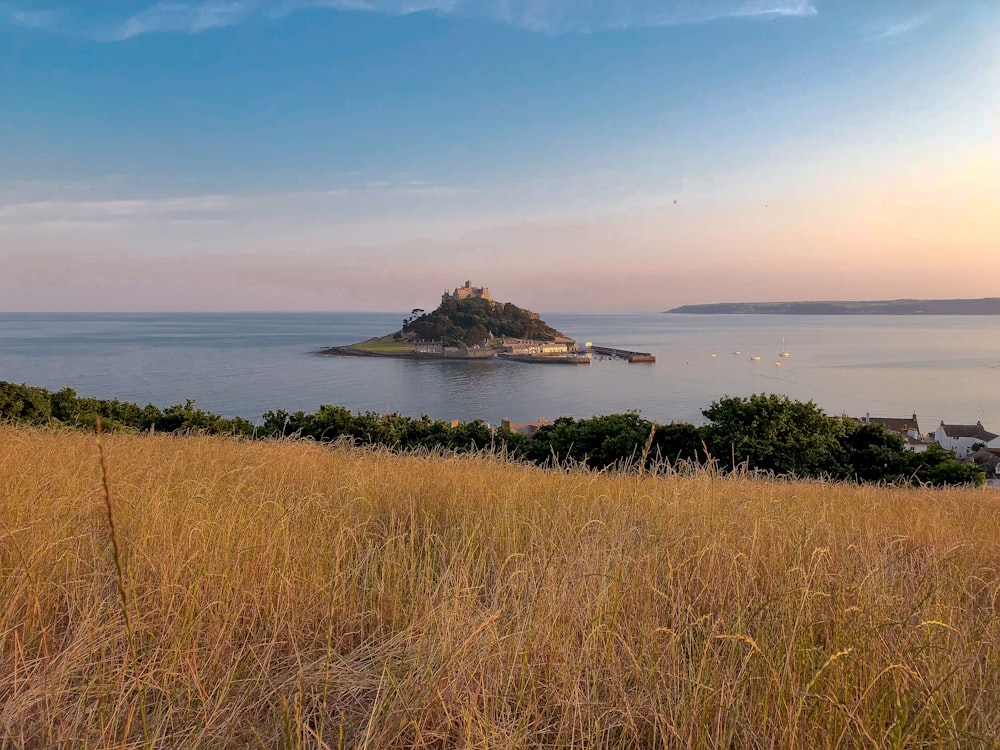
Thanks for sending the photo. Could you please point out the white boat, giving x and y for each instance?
(783, 353)
(755, 358)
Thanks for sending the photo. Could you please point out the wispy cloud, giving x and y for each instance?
(799, 8)
(34, 19)
(107, 24)
(569, 16)
(30, 210)
(103, 23)
(187, 18)
(902, 27)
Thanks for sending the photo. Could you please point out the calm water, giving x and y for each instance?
(939, 367)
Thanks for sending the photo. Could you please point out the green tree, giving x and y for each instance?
(678, 441)
(599, 442)
(873, 454)
(24, 403)
(328, 424)
(939, 467)
(471, 320)
(774, 433)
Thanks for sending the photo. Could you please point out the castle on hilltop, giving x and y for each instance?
(467, 292)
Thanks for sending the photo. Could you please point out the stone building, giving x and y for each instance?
(467, 292)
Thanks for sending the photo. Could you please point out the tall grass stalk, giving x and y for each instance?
(116, 554)
(288, 594)
(115, 549)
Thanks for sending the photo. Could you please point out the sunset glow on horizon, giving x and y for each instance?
(600, 156)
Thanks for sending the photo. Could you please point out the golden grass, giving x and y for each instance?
(293, 595)
(385, 345)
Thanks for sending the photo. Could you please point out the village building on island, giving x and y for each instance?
(539, 347)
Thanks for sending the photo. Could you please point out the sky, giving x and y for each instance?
(571, 155)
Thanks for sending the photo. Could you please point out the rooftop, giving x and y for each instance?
(968, 431)
(894, 424)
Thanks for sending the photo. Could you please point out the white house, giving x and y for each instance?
(959, 438)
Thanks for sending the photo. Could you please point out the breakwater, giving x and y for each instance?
(630, 356)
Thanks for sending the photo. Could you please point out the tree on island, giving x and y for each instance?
(414, 313)
(471, 321)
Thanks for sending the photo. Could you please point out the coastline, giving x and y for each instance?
(898, 307)
(350, 351)
(545, 359)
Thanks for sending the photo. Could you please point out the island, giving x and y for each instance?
(984, 306)
(470, 325)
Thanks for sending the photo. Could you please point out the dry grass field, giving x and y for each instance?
(293, 595)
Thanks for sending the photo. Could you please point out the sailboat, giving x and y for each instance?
(784, 352)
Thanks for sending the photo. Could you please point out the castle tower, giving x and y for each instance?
(467, 291)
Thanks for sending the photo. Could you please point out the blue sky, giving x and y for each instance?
(569, 154)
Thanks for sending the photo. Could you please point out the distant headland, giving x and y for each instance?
(470, 324)
(985, 306)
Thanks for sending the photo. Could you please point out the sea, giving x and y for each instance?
(942, 368)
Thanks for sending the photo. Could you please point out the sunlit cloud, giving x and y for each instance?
(103, 23)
